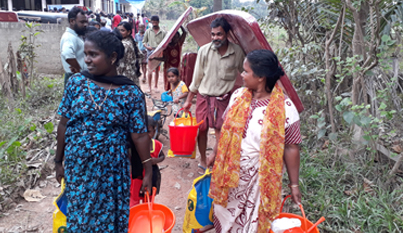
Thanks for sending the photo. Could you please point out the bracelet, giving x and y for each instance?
(58, 161)
(145, 161)
(293, 185)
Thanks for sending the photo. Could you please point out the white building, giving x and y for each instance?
(109, 6)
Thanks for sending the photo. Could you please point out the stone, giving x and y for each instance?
(190, 175)
(178, 208)
(177, 186)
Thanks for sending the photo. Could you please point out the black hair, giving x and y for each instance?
(98, 18)
(93, 23)
(55, 9)
(264, 63)
(221, 22)
(151, 122)
(103, 22)
(90, 29)
(44, 9)
(155, 18)
(118, 12)
(74, 12)
(142, 15)
(129, 27)
(174, 70)
(109, 42)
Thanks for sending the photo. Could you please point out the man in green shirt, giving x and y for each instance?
(152, 38)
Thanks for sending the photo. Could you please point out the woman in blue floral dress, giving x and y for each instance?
(101, 113)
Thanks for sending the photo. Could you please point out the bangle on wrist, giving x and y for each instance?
(58, 161)
(293, 185)
(145, 161)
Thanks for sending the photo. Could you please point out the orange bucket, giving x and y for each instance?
(306, 225)
(183, 138)
(142, 211)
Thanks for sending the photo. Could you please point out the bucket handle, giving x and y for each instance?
(300, 206)
(147, 196)
(191, 118)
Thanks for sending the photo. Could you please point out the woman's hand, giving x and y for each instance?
(59, 172)
(147, 184)
(176, 100)
(296, 195)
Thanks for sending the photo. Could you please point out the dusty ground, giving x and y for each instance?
(177, 177)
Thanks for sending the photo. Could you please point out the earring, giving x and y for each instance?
(113, 62)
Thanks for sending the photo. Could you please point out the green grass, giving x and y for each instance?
(335, 188)
(23, 117)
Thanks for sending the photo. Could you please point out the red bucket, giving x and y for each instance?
(183, 138)
(306, 225)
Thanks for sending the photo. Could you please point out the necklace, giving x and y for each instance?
(92, 98)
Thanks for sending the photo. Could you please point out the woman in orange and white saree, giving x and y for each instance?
(260, 134)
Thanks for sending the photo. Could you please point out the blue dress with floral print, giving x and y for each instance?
(96, 166)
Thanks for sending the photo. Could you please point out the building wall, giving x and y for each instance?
(48, 60)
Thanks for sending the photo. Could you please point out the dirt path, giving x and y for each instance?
(177, 177)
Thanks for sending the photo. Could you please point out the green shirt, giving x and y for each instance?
(153, 39)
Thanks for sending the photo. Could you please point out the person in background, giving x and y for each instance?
(152, 38)
(94, 24)
(129, 66)
(217, 66)
(98, 17)
(72, 45)
(108, 21)
(116, 19)
(138, 22)
(172, 55)
(125, 19)
(63, 10)
(157, 156)
(139, 39)
(103, 24)
(260, 135)
(102, 113)
(92, 18)
(179, 90)
(90, 29)
(145, 21)
(133, 23)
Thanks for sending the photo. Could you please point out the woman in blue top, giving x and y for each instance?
(102, 113)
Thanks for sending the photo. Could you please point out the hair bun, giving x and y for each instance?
(116, 33)
(279, 72)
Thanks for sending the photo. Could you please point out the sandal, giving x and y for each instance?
(201, 167)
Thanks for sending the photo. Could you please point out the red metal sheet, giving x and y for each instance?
(245, 31)
(8, 17)
(152, 64)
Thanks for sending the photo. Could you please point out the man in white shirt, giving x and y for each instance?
(72, 45)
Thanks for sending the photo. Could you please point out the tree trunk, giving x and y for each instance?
(358, 48)
(217, 5)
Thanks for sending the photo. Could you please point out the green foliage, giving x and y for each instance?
(49, 127)
(349, 195)
(25, 118)
(28, 46)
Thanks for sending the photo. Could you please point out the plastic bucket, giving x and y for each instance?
(305, 223)
(183, 138)
(169, 215)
